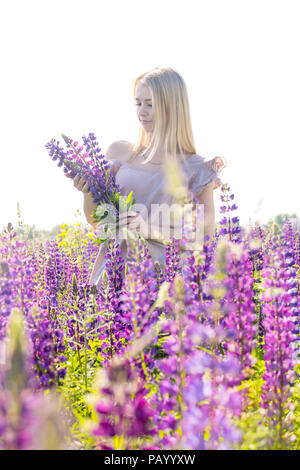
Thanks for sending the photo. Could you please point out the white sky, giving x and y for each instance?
(68, 67)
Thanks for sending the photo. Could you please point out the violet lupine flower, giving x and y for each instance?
(297, 248)
(33, 421)
(192, 273)
(136, 303)
(102, 185)
(140, 261)
(173, 266)
(139, 293)
(280, 340)
(47, 348)
(86, 259)
(123, 408)
(13, 284)
(210, 403)
(288, 254)
(142, 274)
(91, 164)
(257, 258)
(195, 270)
(6, 301)
(260, 232)
(182, 379)
(256, 248)
(25, 416)
(168, 399)
(18, 277)
(177, 347)
(207, 255)
(19, 433)
(290, 239)
(52, 281)
(230, 225)
(238, 306)
(70, 267)
(111, 327)
(78, 322)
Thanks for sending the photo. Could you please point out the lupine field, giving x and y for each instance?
(201, 355)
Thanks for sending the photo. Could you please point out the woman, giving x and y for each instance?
(165, 135)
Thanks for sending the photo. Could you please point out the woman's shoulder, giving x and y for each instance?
(119, 150)
(192, 161)
(192, 158)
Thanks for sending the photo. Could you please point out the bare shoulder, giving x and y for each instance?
(119, 150)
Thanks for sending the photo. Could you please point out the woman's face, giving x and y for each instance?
(144, 109)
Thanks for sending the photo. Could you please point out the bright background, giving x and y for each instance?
(69, 66)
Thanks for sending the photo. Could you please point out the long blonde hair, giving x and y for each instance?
(172, 129)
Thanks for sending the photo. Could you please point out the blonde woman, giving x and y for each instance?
(165, 134)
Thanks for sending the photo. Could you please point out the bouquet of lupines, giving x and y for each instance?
(87, 161)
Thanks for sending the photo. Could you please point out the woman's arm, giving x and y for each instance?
(81, 184)
(88, 208)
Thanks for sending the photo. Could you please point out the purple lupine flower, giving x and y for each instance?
(111, 330)
(280, 339)
(210, 402)
(25, 415)
(138, 294)
(230, 225)
(255, 241)
(21, 431)
(52, 279)
(290, 239)
(260, 232)
(123, 407)
(101, 181)
(195, 270)
(16, 273)
(90, 164)
(6, 301)
(182, 377)
(141, 272)
(47, 348)
(289, 232)
(78, 322)
(297, 248)
(238, 306)
(173, 266)
(177, 346)
(192, 274)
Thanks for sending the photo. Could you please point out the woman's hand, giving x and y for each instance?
(134, 222)
(81, 184)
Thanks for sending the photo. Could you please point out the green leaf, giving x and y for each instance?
(129, 197)
(101, 210)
